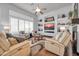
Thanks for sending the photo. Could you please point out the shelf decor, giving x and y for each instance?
(40, 20)
(61, 16)
(49, 19)
(40, 29)
(40, 25)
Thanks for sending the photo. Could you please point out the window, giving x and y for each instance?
(18, 25)
(31, 26)
(21, 25)
(14, 25)
(26, 26)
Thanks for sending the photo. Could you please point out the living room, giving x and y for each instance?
(39, 29)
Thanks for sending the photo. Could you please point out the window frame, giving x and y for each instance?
(18, 22)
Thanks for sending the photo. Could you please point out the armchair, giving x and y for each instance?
(57, 44)
(19, 49)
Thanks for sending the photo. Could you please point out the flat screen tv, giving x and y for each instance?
(49, 26)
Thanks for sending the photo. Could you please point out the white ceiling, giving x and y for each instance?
(49, 6)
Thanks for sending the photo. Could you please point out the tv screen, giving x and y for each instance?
(49, 26)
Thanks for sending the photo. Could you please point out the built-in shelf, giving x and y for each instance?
(50, 22)
(48, 30)
(48, 26)
(63, 22)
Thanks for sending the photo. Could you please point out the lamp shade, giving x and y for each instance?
(6, 28)
(63, 28)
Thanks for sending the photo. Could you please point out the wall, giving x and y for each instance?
(55, 13)
(78, 9)
(4, 13)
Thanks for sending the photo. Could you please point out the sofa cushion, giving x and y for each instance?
(12, 41)
(66, 37)
(67, 40)
(15, 49)
(1, 51)
(58, 36)
(2, 35)
(4, 43)
(63, 36)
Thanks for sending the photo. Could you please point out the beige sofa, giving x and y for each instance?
(58, 43)
(17, 49)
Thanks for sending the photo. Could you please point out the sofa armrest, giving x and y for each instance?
(53, 41)
(37, 47)
(15, 48)
(20, 44)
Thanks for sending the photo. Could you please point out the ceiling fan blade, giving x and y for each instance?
(41, 12)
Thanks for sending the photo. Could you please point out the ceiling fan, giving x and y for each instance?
(38, 9)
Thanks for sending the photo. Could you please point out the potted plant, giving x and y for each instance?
(70, 14)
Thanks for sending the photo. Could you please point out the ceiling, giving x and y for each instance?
(49, 6)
